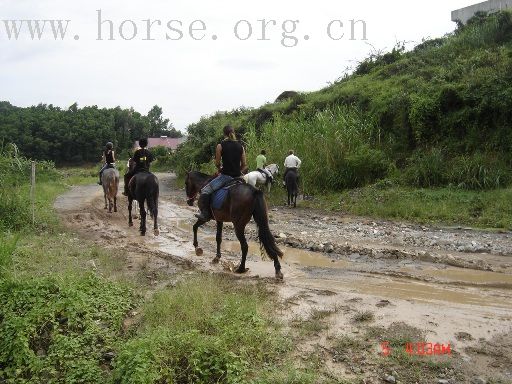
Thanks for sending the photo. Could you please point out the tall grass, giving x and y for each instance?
(7, 247)
(15, 171)
(339, 147)
(434, 168)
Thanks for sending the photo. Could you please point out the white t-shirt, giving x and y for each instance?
(292, 161)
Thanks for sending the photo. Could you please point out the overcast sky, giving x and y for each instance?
(191, 78)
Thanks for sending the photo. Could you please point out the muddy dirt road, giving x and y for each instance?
(446, 282)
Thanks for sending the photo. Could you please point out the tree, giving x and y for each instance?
(157, 124)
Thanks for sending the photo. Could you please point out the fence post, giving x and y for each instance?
(33, 191)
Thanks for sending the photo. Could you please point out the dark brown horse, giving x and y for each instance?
(242, 203)
(143, 187)
(292, 187)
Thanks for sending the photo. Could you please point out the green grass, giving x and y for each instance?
(207, 329)
(441, 206)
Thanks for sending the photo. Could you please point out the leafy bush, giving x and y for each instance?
(59, 331)
(426, 169)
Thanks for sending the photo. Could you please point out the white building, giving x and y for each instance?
(490, 6)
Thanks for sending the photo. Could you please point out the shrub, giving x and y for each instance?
(59, 331)
(426, 169)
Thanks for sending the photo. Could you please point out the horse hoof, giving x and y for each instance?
(279, 275)
(115, 209)
(241, 270)
(156, 232)
(130, 224)
(104, 207)
(216, 260)
(199, 251)
(143, 233)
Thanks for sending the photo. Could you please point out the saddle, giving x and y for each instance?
(268, 176)
(219, 196)
(111, 166)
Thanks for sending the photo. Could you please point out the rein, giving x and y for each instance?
(191, 199)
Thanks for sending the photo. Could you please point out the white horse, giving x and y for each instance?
(264, 177)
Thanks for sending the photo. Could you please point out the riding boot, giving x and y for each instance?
(99, 182)
(204, 204)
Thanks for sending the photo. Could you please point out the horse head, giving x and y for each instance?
(273, 169)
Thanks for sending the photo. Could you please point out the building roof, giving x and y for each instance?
(163, 141)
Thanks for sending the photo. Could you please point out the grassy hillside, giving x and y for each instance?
(438, 115)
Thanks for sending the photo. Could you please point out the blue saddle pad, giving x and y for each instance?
(219, 197)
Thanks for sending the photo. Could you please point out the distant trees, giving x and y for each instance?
(76, 135)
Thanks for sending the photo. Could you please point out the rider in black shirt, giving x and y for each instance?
(231, 155)
(142, 159)
(108, 159)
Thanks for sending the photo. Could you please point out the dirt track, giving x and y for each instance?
(442, 281)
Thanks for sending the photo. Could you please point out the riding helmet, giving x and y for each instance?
(109, 145)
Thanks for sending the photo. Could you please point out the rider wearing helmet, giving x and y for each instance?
(108, 158)
(142, 159)
(231, 162)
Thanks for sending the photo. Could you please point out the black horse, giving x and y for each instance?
(143, 187)
(242, 203)
(292, 187)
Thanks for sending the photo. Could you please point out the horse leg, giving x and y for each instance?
(199, 251)
(240, 235)
(155, 220)
(218, 237)
(130, 221)
(142, 211)
(115, 203)
(105, 197)
(277, 267)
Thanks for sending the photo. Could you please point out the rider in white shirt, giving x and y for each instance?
(292, 162)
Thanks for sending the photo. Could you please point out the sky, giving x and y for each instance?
(196, 57)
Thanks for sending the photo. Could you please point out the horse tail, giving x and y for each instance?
(261, 218)
(113, 185)
(152, 197)
(292, 187)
